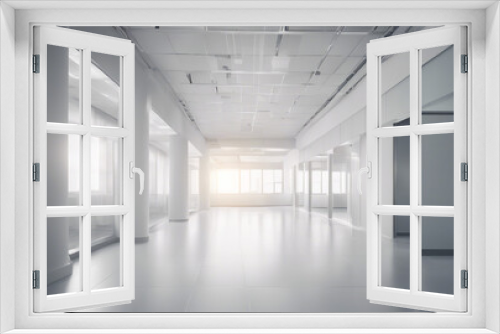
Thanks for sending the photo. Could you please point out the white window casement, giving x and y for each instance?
(449, 218)
(476, 234)
(103, 197)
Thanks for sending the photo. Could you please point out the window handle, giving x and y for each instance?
(136, 170)
(368, 171)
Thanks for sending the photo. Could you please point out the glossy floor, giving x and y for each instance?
(264, 259)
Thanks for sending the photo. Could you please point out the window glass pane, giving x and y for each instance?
(324, 182)
(245, 181)
(437, 254)
(256, 181)
(105, 263)
(64, 170)
(394, 243)
(227, 181)
(105, 170)
(437, 85)
(63, 85)
(316, 181)
(395, 89)
(437, 169)
(278, 175)
(105, 96)
(63, 250)
(158, 185)
(394, 171)
(268, 181)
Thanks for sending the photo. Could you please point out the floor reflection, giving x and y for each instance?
(265, 259)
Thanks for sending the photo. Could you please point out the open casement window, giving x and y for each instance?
(83, 169)
(416, 144)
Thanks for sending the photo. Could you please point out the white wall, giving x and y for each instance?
(158, 183)
(492, 162)
(7, 168)
(162, 100)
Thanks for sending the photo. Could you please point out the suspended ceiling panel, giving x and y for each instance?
(255, 82)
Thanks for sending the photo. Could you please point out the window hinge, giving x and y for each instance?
(464, 167)
(36, 172)
(36, 279)
(465, 279)
(36, 63)
(465, 64)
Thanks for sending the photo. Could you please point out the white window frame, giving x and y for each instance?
(413, 43)
(87, 43)
(274, 182)
(476, 320)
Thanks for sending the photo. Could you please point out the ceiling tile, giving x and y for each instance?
(331, 64)
(347, 66)
(307, 44)
(236, 86)
(152, 41)
(297, 78)
(188, 42)
(345, 44)
(216, 44)
(184, 62)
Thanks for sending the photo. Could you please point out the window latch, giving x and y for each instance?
(368, 171)
(135, 170)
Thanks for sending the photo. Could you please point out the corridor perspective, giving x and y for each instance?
(261, 183)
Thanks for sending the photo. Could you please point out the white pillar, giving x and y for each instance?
(308, 186)
(178, 199)
(205, 182)
(330, 186)
(294, 186)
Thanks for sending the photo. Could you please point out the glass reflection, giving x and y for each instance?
(63, 248)
(105, 75)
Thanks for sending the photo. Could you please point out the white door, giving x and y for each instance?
(83, 162)
(416, 144)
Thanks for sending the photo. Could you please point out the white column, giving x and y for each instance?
(178, 199)
(330, 186)
(294, 186)
(308, 186)
(205, 182)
